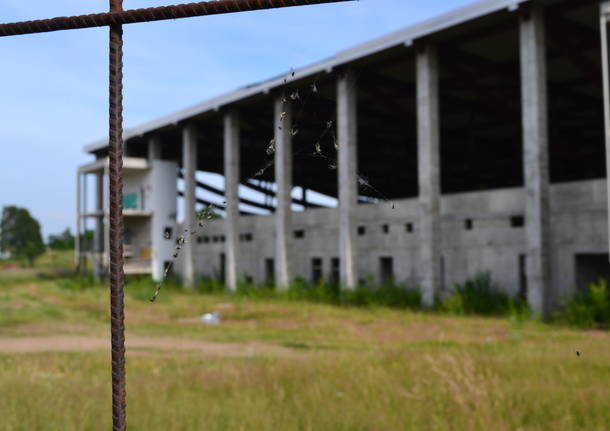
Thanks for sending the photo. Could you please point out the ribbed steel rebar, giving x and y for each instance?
(117, 278)
(149, 14)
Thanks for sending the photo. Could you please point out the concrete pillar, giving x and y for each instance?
(99, 225)
(304, 197)
(157, 267)
(347, 138)
(231, 162)
(189, 165)
(283, 180)
(106, 258)
(85, 244)
(77, 228)
(163, 204)
(428, 149)
(154, 149)
(535, 156)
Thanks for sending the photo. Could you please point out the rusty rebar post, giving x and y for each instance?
(117, 277)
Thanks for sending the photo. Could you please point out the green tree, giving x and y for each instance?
(63, 241)
(20, 234)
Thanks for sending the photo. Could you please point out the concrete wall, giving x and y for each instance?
(578, 225)
(481, 231)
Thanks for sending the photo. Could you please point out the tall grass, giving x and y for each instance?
(479, 295)
(387, 295)
(588, 309)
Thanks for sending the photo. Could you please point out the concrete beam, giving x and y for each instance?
(221, 192)
(347, 137)
(189, 164)
(283, 179)
(231, 171)
(428, 143)
(535, 156)
(271, 193)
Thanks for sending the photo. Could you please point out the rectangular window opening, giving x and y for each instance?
(517, 221)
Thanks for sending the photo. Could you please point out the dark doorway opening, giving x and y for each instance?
(222, 271)
(590, 267)
(386, 270)
(335, 275)
(317, 270)
(269, 271)
(523, 277)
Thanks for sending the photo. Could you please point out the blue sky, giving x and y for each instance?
(53, 86)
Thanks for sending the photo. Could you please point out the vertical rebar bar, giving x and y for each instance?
(117, 278)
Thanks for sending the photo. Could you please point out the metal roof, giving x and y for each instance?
(405, 36)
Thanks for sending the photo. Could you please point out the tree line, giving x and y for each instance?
(21, 237)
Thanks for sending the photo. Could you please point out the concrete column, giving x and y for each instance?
(231, 162)
(428, 149)
(535, 156)
(157, 267)
(154, 149)
(99, 224)
(283, 179)
(77, 228)
(304, 197)
(347, 138)
(85, 244)
(163, 204)
(106, 259)
(189, 165)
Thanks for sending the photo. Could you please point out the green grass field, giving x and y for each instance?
(285, 365)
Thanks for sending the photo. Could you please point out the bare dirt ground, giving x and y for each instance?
(79, 343)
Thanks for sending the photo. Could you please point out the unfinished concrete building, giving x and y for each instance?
(470, 142)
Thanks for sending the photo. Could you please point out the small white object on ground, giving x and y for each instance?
(210, 318)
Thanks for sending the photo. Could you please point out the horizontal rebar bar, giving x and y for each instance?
(149, 14)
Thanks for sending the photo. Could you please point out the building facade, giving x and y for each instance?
(472, 142)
